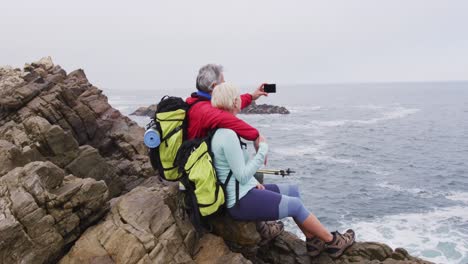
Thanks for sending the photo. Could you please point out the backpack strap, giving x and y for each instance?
(192, 205)
(237, 192)
(237, 185)
(175, 130)
(228, 178)
(242, 144)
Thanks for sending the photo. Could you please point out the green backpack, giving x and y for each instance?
(204, 194)
(171, 123)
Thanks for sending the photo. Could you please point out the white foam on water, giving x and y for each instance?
(394, 113)
(397, 113)
(377, 170)
(333, 160)
(301, 109)
(298, 150)
(435, 235)
(398, 188)
(458, 196)
(370, 106)
(333, 123)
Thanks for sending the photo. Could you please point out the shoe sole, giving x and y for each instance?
(340, 252)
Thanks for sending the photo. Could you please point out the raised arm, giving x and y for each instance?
(246, 100)
(241, 170)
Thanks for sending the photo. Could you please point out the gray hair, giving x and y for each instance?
(209, 75)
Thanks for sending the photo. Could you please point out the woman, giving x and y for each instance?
(259, 202)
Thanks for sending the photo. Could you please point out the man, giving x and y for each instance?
(203, 117)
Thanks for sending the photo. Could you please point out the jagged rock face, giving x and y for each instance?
(46, 114)
(143, 227)
(42, 211)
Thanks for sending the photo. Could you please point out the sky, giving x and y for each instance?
(161, 44)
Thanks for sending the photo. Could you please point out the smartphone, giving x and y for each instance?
(270, 88)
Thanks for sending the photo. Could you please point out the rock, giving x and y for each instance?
(42, 211)
(51, 121)
(90, 164)
(44, 63)
(243, 233)
(264, 109)
(146, 111)
(140, 228)
(287, 248)
(10, 157)
(48, 114)
(213, 250)
(241, 236)
(52, 141)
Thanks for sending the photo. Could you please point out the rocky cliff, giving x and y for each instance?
(76, 187)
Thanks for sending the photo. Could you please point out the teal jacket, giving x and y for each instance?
(228, 155)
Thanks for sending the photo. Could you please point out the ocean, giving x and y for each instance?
(389, 160)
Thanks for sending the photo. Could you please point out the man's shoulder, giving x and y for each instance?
(199, 105)
(204, 107)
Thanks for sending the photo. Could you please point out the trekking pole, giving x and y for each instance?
(283, 173)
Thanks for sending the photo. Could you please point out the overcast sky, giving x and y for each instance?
(152, 44)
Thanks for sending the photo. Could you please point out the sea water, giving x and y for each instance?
(387, 160)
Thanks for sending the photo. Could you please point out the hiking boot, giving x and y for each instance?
(269, 230)
(315, 246)
(340, 243)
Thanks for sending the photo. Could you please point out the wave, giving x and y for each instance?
(333, 160)
(396, 113)
(301, 109)
(315, 153)
(377, 170)
(454, 196)
(458, 196)
(295, 151)
(437, 235)
(370, 106)
(398, 188)
(399, 112)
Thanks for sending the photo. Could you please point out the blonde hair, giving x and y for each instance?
(225, 96)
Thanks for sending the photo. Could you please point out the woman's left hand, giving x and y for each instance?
(260, 187)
